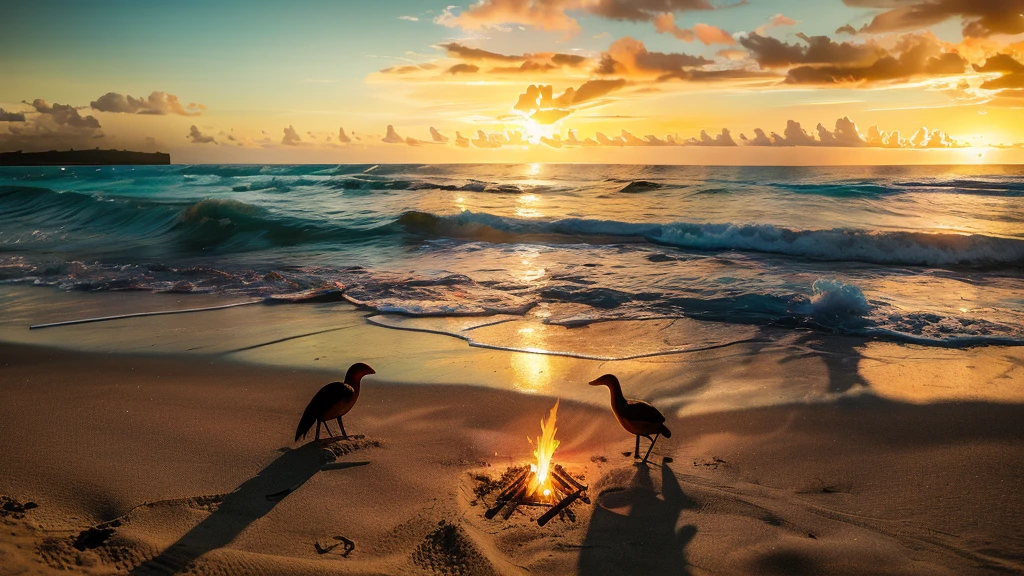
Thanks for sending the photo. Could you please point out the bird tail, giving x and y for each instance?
(306, 422)
(665, 431)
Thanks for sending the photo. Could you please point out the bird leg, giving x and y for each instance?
(328, 429)
(636, 452)
(317, 430)
(656, 436)
(343, 433)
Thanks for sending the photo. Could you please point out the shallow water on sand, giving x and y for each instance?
(929, 255)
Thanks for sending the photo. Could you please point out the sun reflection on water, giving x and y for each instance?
(527, 206)
(532, 371)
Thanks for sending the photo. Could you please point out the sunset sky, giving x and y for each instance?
(632, 81)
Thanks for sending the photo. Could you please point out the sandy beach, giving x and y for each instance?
(799, 457)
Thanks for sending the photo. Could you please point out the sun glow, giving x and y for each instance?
(534, 131)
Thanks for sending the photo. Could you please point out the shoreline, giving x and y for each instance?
(158, 444)
(753, 366)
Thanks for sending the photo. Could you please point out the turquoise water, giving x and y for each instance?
(933, 255)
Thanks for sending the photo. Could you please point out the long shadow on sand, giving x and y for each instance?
(841, 356)
(633, 531)
(249, 502)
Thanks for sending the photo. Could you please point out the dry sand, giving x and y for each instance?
(829, 462)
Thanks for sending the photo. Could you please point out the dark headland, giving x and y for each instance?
(82, 157)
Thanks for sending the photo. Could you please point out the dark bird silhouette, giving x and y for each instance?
(333, 401)
(637, 417)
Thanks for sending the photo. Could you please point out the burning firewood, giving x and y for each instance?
(571, 483)
(508, 493)
(542, 484)
(547, 516)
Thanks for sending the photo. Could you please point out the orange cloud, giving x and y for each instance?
(392, 137)
(437, 136)
(628, 56)
(666, 24)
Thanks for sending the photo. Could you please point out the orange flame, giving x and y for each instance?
(540, 486)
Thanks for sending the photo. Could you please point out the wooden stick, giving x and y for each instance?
(506, 494)
(561, 475)
(511, 488)
(558, 507)
(514, 502)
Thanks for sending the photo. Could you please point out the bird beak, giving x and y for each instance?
(372, 371)
(595, 382)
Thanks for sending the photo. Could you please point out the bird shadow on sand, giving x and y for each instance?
(841, 356)
(252, 500)
(633, 528)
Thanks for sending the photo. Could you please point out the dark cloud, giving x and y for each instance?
(980, 18)
(463, 69)
(1011, 81)
(773, 53)
(526, 67)
(918, 55)
(572, 60)
(157, 103)
(1012, 78)
(197, 137)
(65, 115)
(342, 137)
(644, 10)
(49, 127)
(596, 89)
(552, 14)
(1001, 63)
(717, 75)
(847, 29)
(291, 137)
(6, 116)
(466, 53)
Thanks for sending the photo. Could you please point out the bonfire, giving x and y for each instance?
(542, 483)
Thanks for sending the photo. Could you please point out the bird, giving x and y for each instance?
(636, 416)
(333, 401)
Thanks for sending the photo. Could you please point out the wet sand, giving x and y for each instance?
(807, 455)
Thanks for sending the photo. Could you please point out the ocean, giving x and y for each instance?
(927, 255)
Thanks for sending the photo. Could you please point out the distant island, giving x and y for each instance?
(82, 158)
